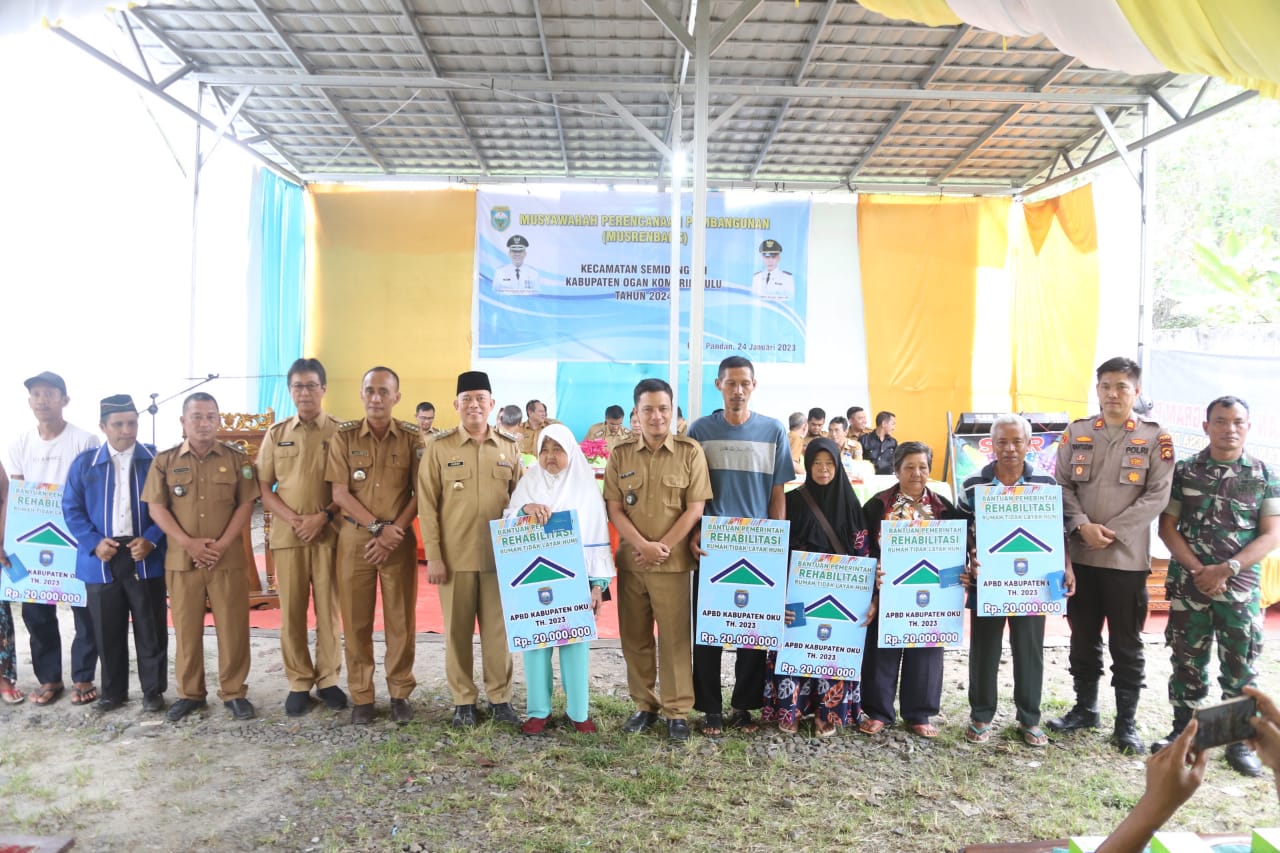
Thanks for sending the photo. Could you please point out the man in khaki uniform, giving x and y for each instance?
(656, 485)
(610, 429)
(425, 415)
(201, 494)
(291, 468)
(535, 419)
(1116, 471)
(465, 481)
(371, 466)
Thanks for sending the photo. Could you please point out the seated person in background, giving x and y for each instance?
(817, 419)
(425, 414)
(850, 448)
(1175, 772)
(509, 421)
(536, 419)
(878, 447)
(610, 429)
(795, 435)
(857, 422)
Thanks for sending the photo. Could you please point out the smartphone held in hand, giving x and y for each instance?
(1226, 723)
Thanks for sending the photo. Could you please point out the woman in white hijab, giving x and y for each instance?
(561, 479)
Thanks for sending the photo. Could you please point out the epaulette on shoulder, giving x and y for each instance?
(508, 436)
(443, 433)
(231, 445)
(687, 440)
(408, 427)
(347, 426)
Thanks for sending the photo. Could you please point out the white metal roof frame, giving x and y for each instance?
(815, 95)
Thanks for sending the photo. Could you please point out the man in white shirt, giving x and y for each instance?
(44, 455)
(516, 277)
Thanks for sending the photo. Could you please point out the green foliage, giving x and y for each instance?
(1216, 209)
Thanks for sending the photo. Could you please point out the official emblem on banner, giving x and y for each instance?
(46, 558)
(544, 595)
(824, 632)
(740, 598)
(500, 218)
(922, 598)
(1021, 566)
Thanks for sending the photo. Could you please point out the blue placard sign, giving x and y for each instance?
(833, 593)
(741, 582)
(916, 609)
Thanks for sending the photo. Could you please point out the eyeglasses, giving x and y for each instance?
(310, 386)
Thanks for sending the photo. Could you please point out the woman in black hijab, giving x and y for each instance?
(825, 496)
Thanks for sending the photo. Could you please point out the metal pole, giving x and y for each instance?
(673, 354)
(1145, 283)
(698, 271)
(195, 223)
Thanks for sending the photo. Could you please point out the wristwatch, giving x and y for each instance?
(1234, 566)
(328, 514)
(375, 526)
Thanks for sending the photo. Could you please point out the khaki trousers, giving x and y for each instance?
(228, 593)
(662, 597)
(358, 584)
(469, 596)
(304, 574)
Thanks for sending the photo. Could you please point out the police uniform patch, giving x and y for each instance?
(1135, 461)
(1081, 457)
(1133, 476)
(1137, 441)
(1166, 446)
(1084, 439)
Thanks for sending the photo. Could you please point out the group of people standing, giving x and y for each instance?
(344, 496)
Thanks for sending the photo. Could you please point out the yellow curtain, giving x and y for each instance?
(1237, 40)
(919, 259)
(1055, 309)
(932, 13)
(391, 282)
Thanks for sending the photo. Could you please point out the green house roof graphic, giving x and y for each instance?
(49, 535)
(742, 573)
(922, 573)
(540, 571)
(828, 607)
(1020, 541)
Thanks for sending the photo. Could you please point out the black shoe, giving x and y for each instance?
(153, 702)
(333, 697)
(183, 707)
(677, 729)
(464, 716)
(502, 712)
(1243, 761)
(401, 712)
(639, 721)
(1125, 736)
(105, 704)
(297, 703)
(1181, 716)
(241, 709)
(1085, 713)
(362, 715)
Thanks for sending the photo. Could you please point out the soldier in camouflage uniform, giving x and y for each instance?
(1220, 522)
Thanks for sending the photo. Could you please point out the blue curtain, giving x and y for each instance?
(278, 230)
(585, 389)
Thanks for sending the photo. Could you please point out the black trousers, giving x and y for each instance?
(113, 605)
(46, 643)
(919, 689)
(1120, 598)
(749, 672)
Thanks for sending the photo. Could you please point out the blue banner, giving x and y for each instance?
(1019, 546)
(542, 578)
(921, 598)
(585, 276)
(741, 581)
(830, 595)
(40, 547)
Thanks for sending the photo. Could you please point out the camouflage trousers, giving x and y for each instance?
(1194, 623)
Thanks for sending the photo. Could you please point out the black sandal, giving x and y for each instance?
(741, 720)
(713, 726)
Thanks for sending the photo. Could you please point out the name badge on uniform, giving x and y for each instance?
(626, 475)
(454, 463)
(284, 444)
(358, 475)
(180, 471)
(359, 453)
(179, 491)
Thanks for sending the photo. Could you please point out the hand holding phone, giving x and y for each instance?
(1225, 723)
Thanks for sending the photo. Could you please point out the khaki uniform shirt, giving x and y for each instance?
(463, 484)
(1122, 483)
(611, 440)
(202, 494)
(527, 438)
(852, 447)
(655, 488)
(294, 455)
(379, 474)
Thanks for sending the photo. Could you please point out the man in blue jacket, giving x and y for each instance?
(120, 556)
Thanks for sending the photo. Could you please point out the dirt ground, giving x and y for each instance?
(127, 780)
